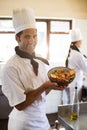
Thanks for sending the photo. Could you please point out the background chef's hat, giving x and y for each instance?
(76, 35)
(23, 19)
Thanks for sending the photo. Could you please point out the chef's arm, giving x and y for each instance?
(33, 95)
(48, 91)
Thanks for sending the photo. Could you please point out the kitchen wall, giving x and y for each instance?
(48, 8)
(71, 9)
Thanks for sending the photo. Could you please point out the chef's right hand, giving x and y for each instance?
(53, 85)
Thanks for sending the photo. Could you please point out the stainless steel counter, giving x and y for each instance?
(64, 117)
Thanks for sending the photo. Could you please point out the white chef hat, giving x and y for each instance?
(23, 19)
(76, 35)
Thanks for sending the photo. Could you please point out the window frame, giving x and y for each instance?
(48, 22)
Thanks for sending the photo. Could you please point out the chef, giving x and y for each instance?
(24, 80)
(77, 61)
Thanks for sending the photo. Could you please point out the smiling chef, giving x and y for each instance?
(24, 80)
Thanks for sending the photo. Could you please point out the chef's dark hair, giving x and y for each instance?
(72, 46)
(18, 34)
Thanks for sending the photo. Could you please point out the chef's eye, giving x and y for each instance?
(35, 36)
(27, 36)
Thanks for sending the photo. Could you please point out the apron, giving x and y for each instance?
(32, 118)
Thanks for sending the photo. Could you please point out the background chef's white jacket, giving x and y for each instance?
(17, 79)
(78, 62)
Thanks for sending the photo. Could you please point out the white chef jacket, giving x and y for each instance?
(77, 61)
(18, 77)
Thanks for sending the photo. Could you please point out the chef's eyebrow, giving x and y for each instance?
(28, 36)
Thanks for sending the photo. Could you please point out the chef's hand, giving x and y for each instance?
(52, 85)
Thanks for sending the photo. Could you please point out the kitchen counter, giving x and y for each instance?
(64, 117)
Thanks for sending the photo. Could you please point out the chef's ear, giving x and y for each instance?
(17, 38)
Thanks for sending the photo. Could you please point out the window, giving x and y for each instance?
(57, 38)
(42, 36)
(59, 41)
(59, 26)
(7, 39)
(7, 44)
(53, 39)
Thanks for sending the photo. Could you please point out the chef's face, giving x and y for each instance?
(27, 40)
